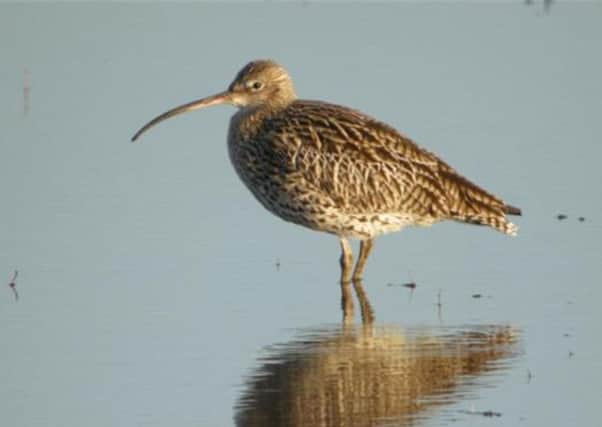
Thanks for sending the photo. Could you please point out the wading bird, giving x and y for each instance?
(334, 169)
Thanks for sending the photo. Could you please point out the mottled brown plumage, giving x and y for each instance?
(334, 169)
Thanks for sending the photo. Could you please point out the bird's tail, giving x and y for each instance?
(512, 210)
(500, 223)
(471, 204)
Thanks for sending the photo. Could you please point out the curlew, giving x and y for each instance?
(334, 169)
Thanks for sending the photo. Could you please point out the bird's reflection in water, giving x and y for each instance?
(371, 375)
(366, 310)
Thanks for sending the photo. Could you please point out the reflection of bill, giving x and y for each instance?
(371, 375)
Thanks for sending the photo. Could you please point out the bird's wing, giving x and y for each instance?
(340, 130)
(362, 164)
(368, 166)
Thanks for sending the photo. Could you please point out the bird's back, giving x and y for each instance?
(312, 154)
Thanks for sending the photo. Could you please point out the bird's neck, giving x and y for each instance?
(248, 120)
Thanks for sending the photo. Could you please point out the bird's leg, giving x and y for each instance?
(346, 260)
(365, 249)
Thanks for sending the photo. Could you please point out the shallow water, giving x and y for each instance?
(154, 290)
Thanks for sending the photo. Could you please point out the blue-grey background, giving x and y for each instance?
(148, 281)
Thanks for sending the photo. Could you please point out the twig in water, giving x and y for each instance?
(13, 285)
(439, 306)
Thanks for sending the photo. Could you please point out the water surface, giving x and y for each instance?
(155, 291)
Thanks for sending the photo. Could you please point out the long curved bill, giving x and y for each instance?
(220, 98)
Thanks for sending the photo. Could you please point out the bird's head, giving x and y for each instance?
(261, 83)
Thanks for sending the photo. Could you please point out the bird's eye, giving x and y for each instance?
(256, 85)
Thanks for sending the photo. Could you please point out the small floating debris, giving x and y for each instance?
(410, 285)
(562, 217)
(277, 264)
(13, 285)
(488, 413)
(479, 296)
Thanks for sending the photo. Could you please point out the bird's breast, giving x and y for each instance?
(256, 154)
